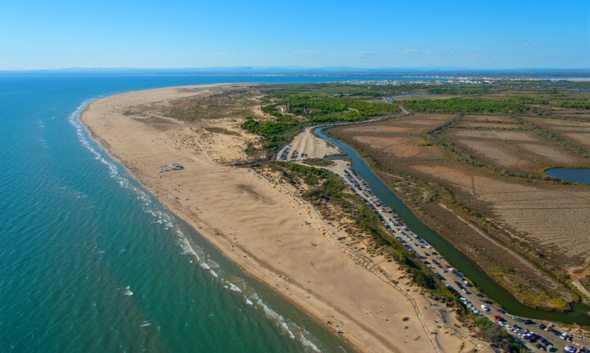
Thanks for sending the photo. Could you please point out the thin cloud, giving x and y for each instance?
(315, 52)
(366, 52)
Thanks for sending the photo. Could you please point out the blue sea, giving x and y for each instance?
(91, 262)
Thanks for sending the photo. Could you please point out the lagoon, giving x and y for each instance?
(575, 175)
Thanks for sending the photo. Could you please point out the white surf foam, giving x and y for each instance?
(83, 138)
(233, 287)
(126, 291)
(186, 247)
(307, 343)
(286, 326)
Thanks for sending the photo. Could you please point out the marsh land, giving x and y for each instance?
(471, 164)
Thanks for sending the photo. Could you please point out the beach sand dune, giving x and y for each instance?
(269, 232)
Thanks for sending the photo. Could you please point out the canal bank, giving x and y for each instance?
(579, 314)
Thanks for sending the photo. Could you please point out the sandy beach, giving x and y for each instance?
(270, 232)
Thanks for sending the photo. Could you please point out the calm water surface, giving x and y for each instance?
(577, 175)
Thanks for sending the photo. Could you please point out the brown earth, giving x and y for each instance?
(575, 130)
(500, 154)
(516, 151)
(488, 125)
(569, 113)
(552, 155)
(489, 118)
(498, 134)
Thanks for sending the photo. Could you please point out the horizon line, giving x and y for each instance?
(294, 68)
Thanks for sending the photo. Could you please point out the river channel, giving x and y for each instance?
(580, 313)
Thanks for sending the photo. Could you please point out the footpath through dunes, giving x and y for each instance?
(264, 227)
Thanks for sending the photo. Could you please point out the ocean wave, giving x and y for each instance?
(285, 328)
(233, 287)
(85, 140)
(188, 249)
(126, 291)
(295, 332)
(307, 343)
(123, 180)
(42, 139)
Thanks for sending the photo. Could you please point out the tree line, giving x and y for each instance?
(467, 105)
(335, 109)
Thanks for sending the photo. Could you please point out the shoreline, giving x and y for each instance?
(258, 258)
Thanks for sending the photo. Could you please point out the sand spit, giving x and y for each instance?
(270, 232)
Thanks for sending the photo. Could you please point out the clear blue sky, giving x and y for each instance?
(42, 34)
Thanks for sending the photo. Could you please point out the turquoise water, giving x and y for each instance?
(90, 262)
(576, 175)
(580, 313)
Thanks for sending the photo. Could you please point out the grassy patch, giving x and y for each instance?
(525, 100)
(575, 105)
(459, 90)
(274, 133)
(320, 162)
(334, 109)
(493, 333)
(468, 105)
(220, 130)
